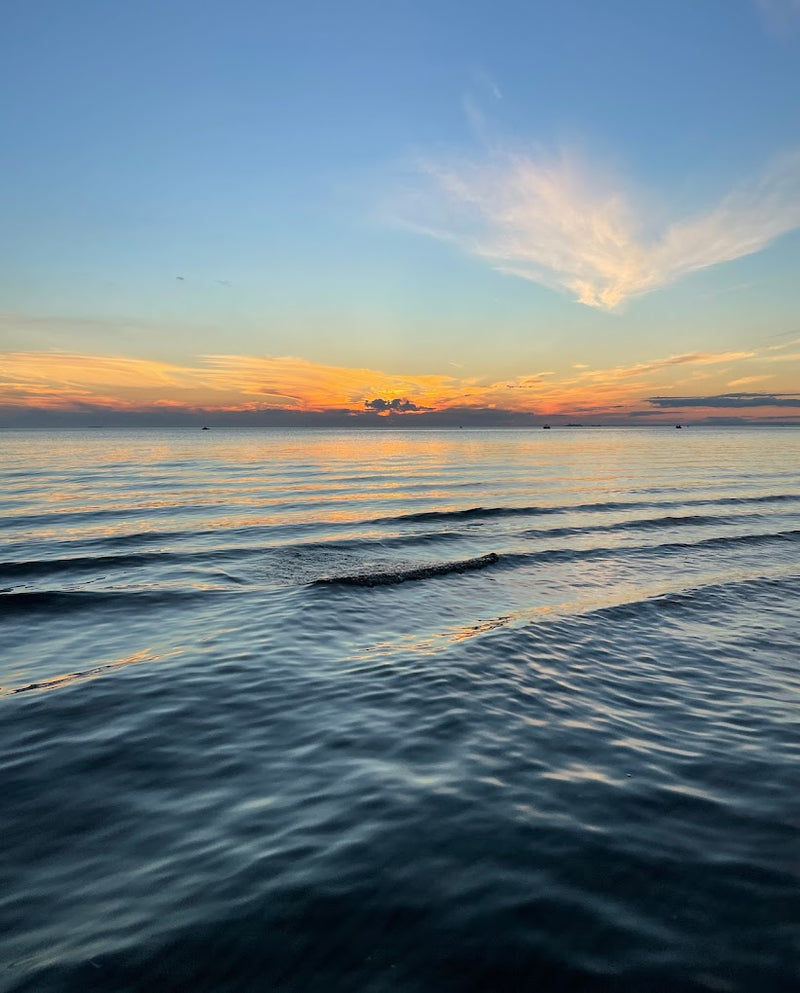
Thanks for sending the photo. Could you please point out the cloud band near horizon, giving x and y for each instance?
(53, 381)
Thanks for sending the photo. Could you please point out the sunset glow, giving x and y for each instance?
(251, 384)
(334, 216)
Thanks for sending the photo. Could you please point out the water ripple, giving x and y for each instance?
(562, 757)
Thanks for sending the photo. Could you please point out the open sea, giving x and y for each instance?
(425, 712)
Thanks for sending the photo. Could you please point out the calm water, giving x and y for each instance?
(400, 711)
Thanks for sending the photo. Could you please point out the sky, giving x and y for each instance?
(399, 213)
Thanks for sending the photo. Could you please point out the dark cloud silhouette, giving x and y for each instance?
(398, 405)
(83, 414)
(730, 400)
(89, 414)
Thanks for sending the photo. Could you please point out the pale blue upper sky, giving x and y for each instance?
(364, 183)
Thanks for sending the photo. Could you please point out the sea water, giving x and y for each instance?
(400, 710)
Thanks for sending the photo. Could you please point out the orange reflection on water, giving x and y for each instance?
(145, 655)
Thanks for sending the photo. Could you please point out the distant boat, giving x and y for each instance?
(545, 427)
(678, 427)
(205, 427)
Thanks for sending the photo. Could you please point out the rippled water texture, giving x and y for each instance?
(400, 711)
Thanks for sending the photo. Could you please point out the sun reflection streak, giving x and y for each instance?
(54, 682)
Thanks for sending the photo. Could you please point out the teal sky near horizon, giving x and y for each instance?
(417, 188)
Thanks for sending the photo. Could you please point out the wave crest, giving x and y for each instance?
(406, 575)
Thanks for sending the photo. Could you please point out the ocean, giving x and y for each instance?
(400, 710)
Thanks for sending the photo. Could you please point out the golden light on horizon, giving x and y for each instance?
(70, 381)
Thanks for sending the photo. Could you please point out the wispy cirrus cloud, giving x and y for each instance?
(748, 380)
(555, 221)
(786, 357)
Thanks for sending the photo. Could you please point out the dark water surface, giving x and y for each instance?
(400, 711)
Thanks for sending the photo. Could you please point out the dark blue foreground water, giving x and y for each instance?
(400, 711)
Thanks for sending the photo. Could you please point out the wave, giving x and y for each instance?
(85, 563)
(641, 524)
(366, 547)
(473, 513)
(623, 602)
(702, 598)
(56, 602)
(406, 575)
(20, 568)
(601, 551)
(706, 597)
(124, 512)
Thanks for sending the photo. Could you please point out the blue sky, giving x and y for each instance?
(407, 187)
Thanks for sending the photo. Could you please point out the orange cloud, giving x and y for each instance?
(60, 380)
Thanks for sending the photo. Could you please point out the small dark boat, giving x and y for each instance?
(545, 427)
